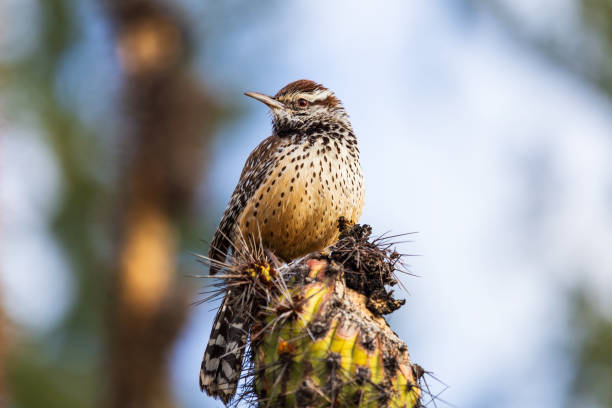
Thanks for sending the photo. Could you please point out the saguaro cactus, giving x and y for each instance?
(318, 337)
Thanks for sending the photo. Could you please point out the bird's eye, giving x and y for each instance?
(302, 103)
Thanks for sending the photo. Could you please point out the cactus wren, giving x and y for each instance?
(293, 189)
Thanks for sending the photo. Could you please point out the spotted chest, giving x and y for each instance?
(312, 182)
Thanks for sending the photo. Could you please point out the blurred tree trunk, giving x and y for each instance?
(4, 397)
(168, 120)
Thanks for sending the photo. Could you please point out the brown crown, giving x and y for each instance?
(305, 85)
(301, 85)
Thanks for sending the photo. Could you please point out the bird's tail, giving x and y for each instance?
(222, 362)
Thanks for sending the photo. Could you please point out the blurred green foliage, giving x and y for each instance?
(67, 376)
(591, 328)
(592, 348)
(597, 18)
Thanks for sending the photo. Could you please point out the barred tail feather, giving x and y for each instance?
(222, 362)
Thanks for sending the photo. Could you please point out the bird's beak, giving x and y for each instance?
(268, 100)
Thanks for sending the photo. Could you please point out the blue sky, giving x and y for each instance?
(496, 157)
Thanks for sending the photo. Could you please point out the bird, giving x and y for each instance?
(294, 187)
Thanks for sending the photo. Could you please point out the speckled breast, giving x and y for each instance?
(310, 186)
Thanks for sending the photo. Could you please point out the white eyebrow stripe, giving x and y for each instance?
(320, 95)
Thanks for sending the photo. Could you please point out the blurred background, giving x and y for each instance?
(485, 126)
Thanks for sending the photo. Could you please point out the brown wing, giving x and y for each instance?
(253, 174)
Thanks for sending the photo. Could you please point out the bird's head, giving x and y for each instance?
(302, 104)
